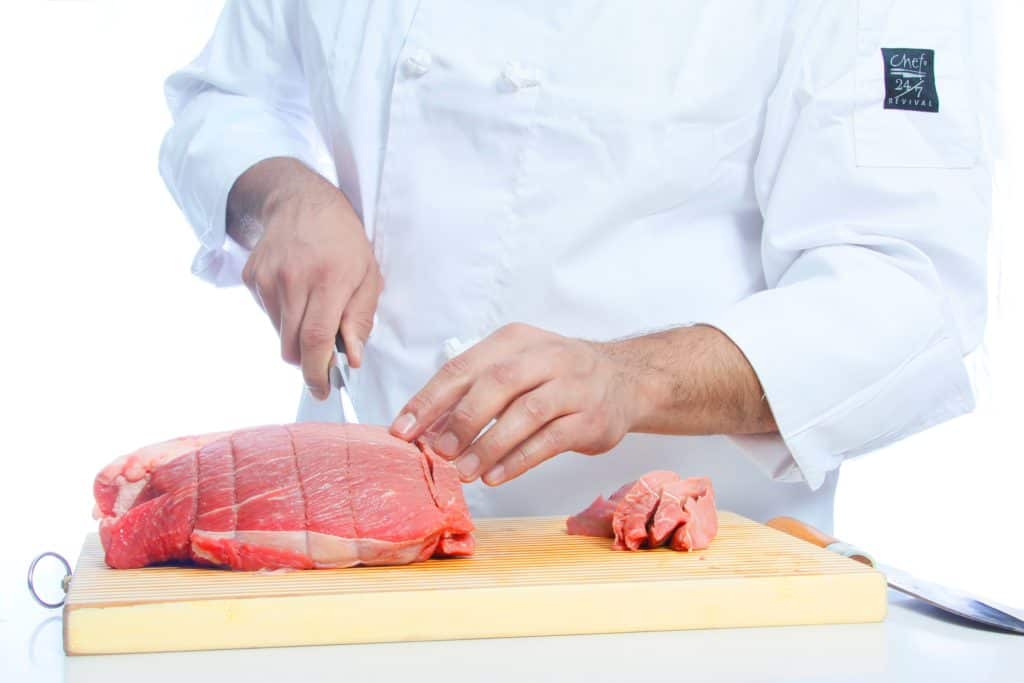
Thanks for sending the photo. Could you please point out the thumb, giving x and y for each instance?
(357, 320)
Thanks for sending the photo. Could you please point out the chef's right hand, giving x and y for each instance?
(311, 268)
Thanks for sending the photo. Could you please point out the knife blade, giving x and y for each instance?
(339, 375)
(949, 599)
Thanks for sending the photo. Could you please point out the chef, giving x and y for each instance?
(744, 240)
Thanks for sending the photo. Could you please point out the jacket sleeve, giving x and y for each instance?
(874, 239)
(244, 99)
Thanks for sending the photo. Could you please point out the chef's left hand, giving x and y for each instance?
(549, 394)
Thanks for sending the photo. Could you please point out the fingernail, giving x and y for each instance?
(447, 445)
(358, 353)
(494, 475)
(467, 465)
(404, 424)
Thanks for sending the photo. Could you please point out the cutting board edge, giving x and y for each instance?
(284, 595)
(536, 610)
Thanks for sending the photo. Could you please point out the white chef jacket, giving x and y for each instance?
(608, 169)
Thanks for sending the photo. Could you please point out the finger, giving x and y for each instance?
(449, 384)
(488, 397)
(266, 294)
(553, 438)
(262, 288)
(526, 416)
(255, 289)
(248, 277)
(253, 283)
(316, 337)
(357, 320)
(291, 307)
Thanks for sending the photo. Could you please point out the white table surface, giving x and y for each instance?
(915, 643)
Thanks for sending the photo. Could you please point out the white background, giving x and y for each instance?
(109, 343)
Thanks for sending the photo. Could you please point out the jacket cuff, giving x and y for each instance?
(927, 388)
(201, 168)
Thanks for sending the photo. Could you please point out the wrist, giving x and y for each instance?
(275, 184)
(259, 193)
(642, 386)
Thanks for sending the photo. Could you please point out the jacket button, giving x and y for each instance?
(516, 76)
(417, 63)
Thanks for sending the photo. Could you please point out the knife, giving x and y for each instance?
(339, 377)
(948, 599)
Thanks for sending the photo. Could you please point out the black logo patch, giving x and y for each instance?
(910, 79)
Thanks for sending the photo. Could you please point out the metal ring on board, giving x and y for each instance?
(63, 582)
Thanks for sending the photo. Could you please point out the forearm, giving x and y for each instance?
(692, 380)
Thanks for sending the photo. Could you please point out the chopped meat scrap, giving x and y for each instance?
(702, 524)
(629, 521)
(656, 509)
(673, 513)
(596, 520)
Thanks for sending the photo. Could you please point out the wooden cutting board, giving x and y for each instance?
(528, 577)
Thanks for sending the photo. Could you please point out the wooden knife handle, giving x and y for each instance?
(806, 532)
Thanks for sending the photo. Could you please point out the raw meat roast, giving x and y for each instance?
(306, 496)
(658, 508)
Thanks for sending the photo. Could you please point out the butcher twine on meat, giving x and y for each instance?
(305, 496)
